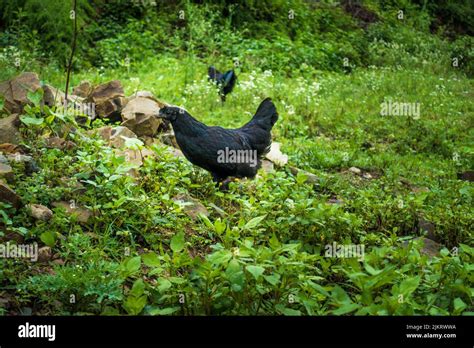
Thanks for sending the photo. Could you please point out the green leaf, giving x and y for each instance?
(177, 242)
(133, 265)
(256, 271)
(206, 220)
(340, 296)
(220, 257)
(287, 311)
(347, 308)
(163, 285)
(301, 178)
(459, 306)
(151, 259)
(28, 120)
(48, 238)
(219, 226)
(163, 311)
(134, 305)
(254, 222)
(235, 275)
(409, 285)
(138, 288)
(132, 143)
(35, 97)
(272, 279)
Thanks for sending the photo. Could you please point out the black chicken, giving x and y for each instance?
(224, 152)
(225, 81)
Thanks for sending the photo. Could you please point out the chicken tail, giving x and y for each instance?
(213, 73)
(266, 115)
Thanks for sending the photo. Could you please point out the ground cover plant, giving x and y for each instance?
(371, 214)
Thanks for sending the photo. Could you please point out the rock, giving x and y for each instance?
(15, 91)
(310, 177)
(53, 96)
(267, 166)
(6, 172)
(169, 139)
(420, 189)
(44, 254)
(135, 157)
(276, 156)
(82, 214)
(29, 163)
(73, 184)
(9, 196)
(10, 148)
(19, 158)
(467, 175)
(40, 212)
(191, 206)
(335, 201)
(9, 129)
(144, 94)
(118, 135)
(174, 152)
(355, 170)
(84, 89)
(11, 235)
(428, 227)
(59, 143)
(109, 99)
(430, 247)
(114, 136)
(59, 262)
(367, 175)
(139, 115)
(103, 132)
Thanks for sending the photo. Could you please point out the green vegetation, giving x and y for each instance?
(262, 248)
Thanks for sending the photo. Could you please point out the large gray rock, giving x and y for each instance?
(15, 91)
(139, 115)
(9, 129)
(109, 99)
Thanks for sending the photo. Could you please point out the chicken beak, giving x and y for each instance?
(161, 113)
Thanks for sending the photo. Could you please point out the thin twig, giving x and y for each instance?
(73, 48)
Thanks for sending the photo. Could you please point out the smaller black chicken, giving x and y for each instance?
(224, 152)
(225, 81)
